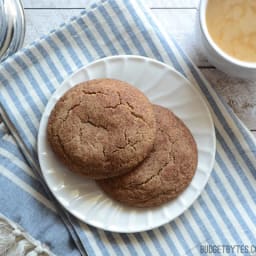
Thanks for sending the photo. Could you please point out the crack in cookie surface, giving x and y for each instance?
(166, 171)
(114, 117)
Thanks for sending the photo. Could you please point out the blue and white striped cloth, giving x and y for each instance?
(224, 214)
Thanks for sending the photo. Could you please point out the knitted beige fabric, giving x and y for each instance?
(14, 241)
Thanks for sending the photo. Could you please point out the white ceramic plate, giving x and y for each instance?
(164, 86)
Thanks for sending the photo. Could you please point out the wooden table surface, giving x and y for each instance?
(179, 19)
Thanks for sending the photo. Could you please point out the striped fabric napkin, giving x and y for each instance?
(223, 219)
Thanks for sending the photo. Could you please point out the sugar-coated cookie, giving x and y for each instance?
(102, 128)
(167, 170)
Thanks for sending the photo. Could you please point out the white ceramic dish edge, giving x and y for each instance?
(115, 228)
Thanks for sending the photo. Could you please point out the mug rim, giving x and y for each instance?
(217, 49)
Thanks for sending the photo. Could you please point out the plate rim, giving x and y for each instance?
(189, 83)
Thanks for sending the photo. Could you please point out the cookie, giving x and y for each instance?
(102, 128)
(165, 173)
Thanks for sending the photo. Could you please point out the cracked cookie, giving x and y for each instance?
(167, 170)
(102, 128)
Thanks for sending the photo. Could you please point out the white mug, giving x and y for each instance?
(218, 57)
